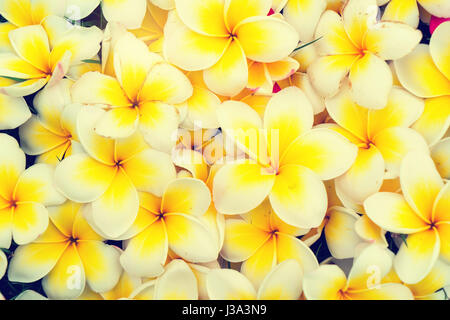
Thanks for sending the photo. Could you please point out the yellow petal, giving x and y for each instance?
(298, 196)
(420, 183)
(256, 267)
(371, 81)
(82, 179)
(266, 39)
(101, 264)
(178, 282)
(359, 16)
(31, 44)
(334, 39)
(150, 171)
(391, 212)
(419, 74)
(241, 240)
(288, 115)
(115, 211)
(435, 119)
(118, 123)
(190, 238)
(238, 10)
(441, 157)
(402, 110)
(444, 235)
(327, 73)
(394, 143)
(130, 14)
(404, 11)
(67, 279)
(63, 217)
(12, 164)
(204, 17)
(186, 195)
(290, 247)
(387, 37)
(369, 267)
(167, 84)
(437, 8)
(324, 283)
(438, 278)
(304, 16)
(228, 284)
(323, 151)
(229, 75)
(13, 112)
(340, 233)
(132, 62)
(36, 184)
(199, 51)
(388, 291)
(441, 205)
(284, 282)
(282, 69)
(365, 176)
(17, 11)
(42, 256)
(146, 253)
(6, 217)
(241, 187)
(421, 250)
(97, 88)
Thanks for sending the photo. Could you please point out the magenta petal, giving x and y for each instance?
(435, 22)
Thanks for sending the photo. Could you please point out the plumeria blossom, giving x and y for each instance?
(142, 95)
(284, 282)
(170, 222)
(426, 73)
(24, 195)
(110, 174)
(422, 213)
(408, 10)
(262, 240)
(218, 36)
(383, 138)
(287, 160)
(356, 46)
(329, 282)
(44, 54)
(51, 134)
(67, 255)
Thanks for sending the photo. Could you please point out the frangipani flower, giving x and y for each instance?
(51, 134)
(408, 10)
(110, 174)
(423, 213)
(430, 288)
(426, 73)
(141, 97)
(24, 195)
(283, 282)
(218, 36)
(262, 240)
(287, 160)
(67, 255)
(383, 137)
(329, 282)
(44, 54)
(178, 282)
(171, 221)
(356, 45)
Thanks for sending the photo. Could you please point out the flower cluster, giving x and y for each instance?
(224, 149)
